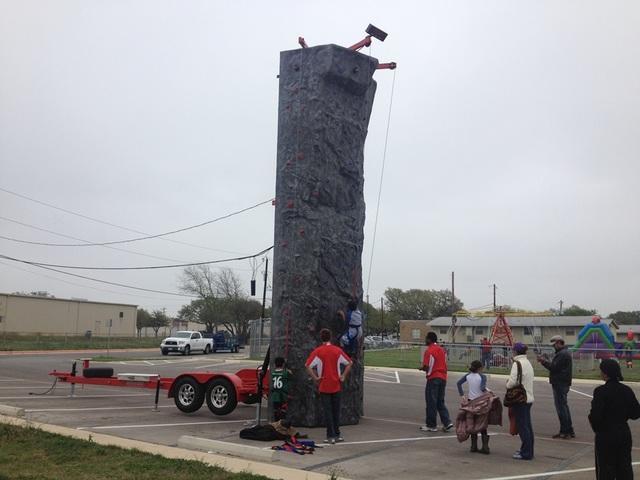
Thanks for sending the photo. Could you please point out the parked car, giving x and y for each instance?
(225, 341)
(186, 342)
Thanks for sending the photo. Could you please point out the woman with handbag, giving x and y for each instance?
(519, 397)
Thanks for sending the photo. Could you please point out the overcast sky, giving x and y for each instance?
(513, 154)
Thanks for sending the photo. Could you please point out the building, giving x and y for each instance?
(414, 331)
(621, 334)
(28, 314)
(526, 329)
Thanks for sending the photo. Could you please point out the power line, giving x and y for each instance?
(97, 220)
(148, 267)
(87, 241)
(148, 237)
(73, 238)
(113, 283)
(83, 286)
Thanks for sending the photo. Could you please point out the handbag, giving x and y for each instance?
(516, 395)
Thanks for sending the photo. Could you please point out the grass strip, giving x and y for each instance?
(30, 453)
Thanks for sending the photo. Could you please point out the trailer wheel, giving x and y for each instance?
(97, 372)
(207, 350)
(188, 395)
(221, 396)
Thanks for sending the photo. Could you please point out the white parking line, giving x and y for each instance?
(155, 425)
(390, 440)
(546, 474)
(580, 393)
(91, 409)
(397, 376)
(208, 366)
(78, 397)
(21, 388)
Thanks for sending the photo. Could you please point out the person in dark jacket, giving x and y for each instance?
(560, 376)
(612, 406)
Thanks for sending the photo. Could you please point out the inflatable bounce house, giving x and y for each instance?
(596, 337)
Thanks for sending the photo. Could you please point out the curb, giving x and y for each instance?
(63, 352)
(584, 381)
(11, 411)
(232, 464)
(225, 448)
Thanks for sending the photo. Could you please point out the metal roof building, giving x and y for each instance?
(31, 314)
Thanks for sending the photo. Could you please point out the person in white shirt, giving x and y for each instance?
(522, 411)
(477, 382)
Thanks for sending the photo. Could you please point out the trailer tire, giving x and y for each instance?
(207, 350)
(188, 395)
(221, 396)
(96, 372)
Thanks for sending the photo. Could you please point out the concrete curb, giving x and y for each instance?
(584, 381)
(11, 411)
(66, 352)
(225, 448)
(232, 464)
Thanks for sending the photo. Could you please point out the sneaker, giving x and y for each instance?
(447, 428)
(572, 434)
(330, 441)
(562, 436)
(424, 428)
(518, 456)
(339, 439)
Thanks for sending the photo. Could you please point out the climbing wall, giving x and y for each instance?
(325, 99)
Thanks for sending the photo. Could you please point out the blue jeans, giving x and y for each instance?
(331, 408)
(525, 429)
(434, 397)
(562, 408)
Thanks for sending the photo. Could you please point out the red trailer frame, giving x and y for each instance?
(222, 391)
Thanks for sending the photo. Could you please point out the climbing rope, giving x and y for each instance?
(384, 159)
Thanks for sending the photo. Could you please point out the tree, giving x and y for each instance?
(222, 300)
(158, 320)
(415, 304)
(577, 311)
(377, 323)
(626, 318)
(143, 320)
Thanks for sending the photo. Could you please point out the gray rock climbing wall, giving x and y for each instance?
(325, 100)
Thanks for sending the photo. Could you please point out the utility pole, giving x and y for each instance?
(494, 297)
(264, 300)
(453, 293)
(561, 303)
(382, 316)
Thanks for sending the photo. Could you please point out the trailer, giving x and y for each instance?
(221, 390)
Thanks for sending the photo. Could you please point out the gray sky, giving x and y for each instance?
(512, 159)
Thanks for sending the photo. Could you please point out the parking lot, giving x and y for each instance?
(385, 444)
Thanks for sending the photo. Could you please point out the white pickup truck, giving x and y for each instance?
(186, 342)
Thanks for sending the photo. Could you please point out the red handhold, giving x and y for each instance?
(284, 243)
(290, 204)
(273, 202)
(300, 156)
(315, 193)
(301, 231)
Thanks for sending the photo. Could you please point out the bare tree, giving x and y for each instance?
(222, 300)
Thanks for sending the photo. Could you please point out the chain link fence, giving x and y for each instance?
(259, 337)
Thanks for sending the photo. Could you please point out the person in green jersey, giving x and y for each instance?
(280, 389)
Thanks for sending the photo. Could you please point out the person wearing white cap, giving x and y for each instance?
(560, 375)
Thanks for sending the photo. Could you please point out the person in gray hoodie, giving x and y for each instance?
(560, 375)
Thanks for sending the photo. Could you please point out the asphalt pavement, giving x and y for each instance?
(386, 444)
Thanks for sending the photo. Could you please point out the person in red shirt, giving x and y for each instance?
(325, 367)
(434, 363)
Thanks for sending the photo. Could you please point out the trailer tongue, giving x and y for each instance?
(222, 391)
